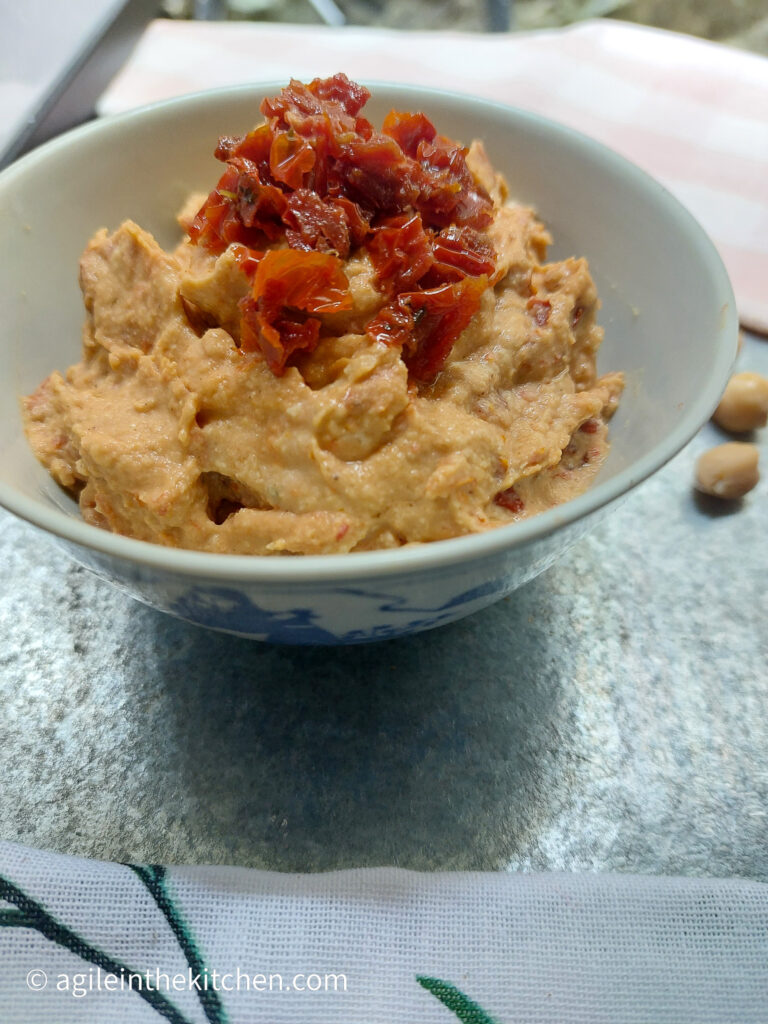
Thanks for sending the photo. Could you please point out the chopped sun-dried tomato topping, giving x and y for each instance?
(408, 130)
(290, 159)
(313, 223)
(427, 323)
(313, 281)
(318, 175)
(462, 252)
(247, 259)
(401, 252)
(287, 286)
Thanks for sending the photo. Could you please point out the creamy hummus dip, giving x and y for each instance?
(210, 411)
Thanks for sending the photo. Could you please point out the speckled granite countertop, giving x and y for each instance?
(610, 715)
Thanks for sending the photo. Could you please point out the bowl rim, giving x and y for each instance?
(410, 558)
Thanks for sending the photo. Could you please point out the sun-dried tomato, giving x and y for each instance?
(290, 159)
(462, 252)
(312, 281)
(440, 315)
(260, 206)
(218, 222)
(247, 259)
(226, 147)
(510, 500)
(337, 91)
(401, 252)
(313, 223)
(254, 147)
(277, 340)
(287, 286)
(447, 192)
(408, 130)
(294, 97)
(358, 220)
(317, 174)
(539, 310)
(392, 325)
(340, 89)
(375, 172)
(428, 323)
(324, 114)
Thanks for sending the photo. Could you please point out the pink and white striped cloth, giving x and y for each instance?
(694, 114)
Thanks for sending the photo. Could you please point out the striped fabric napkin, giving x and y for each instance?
(694, 114)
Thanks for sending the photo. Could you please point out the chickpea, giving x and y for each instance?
(744, 405)
(728, 471)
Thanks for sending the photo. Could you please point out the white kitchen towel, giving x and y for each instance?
(85, 942)
(694, 114)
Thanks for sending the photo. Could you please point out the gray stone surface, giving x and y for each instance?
(611, 715)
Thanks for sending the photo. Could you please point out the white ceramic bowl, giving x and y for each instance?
(668, 313)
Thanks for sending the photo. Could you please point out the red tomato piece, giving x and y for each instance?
(393, 325)
(358, 223)
(440, 315)
(277, 340)
(539, 310)
(340, 89)
(217, 222)
(401, 252)
(312, 281)
(293, 97)
(227, 147)
(259, 205)
(448, 193)
(462, 252)
(313, 223)
(428, 323)
(287, 286)
(510, 500)
(247, 259)
(336, 99)
(254, 147)
(290, 159)
(376, 173)
(408, 130)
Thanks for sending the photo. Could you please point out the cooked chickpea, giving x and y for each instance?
(728, 471)
(744, 405)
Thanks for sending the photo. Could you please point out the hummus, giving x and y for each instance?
(172, 429)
